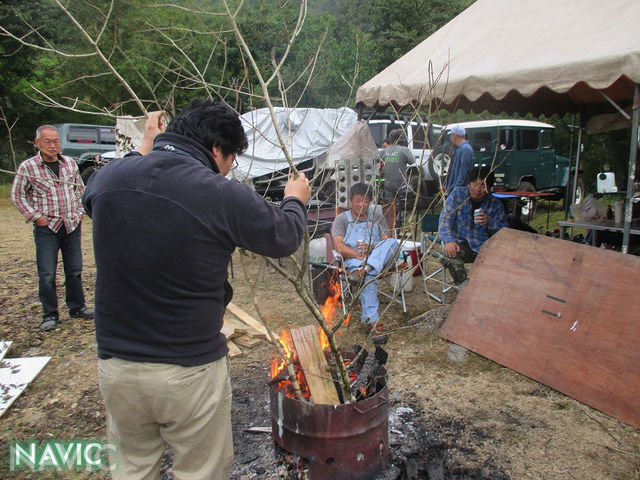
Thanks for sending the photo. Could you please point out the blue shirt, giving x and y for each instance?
(456, 219)
(458, 175)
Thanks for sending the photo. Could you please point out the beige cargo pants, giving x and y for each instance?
(153, 404)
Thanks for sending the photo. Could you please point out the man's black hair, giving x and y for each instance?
(360, 189)
(482, 171)
(211, 124)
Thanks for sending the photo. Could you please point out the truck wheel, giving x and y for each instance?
(438, 165)
(527, 204)
(327, 191)
(87, 172)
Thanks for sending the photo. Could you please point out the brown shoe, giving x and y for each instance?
(378, 336)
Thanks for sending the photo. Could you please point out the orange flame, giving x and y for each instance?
(278, 365)
(328, 310)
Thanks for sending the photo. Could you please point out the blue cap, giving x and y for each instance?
(458, 130)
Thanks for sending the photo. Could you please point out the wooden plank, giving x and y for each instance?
(261, 331)
(560, 312)
(229, 333)
(234, 350)
(314, 365)
(247, 342)
(236, 325)
(258, 429)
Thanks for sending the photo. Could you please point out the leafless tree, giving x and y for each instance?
(189, 75)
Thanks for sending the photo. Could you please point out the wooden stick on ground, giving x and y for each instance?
(250, 321)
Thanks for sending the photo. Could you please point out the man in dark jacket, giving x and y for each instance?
(461, 162)
(164, 227)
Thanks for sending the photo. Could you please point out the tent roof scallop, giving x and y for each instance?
(540, 56)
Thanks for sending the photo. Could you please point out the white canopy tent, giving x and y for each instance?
(540, 57)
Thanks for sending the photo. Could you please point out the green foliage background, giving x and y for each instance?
(148, 45)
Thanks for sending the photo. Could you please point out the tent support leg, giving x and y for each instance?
(633, 153)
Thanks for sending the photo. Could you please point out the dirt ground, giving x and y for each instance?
(479, 419)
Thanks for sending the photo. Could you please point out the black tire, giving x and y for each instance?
(327, 191)
(438, 165)
(87, 172)
(527, 205)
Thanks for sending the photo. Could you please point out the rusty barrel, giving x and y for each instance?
(349, 441)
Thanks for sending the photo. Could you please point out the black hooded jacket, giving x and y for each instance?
(164, 228)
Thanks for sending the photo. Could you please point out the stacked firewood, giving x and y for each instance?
(242, 330)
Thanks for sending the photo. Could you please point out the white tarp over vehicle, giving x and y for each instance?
(307, 132)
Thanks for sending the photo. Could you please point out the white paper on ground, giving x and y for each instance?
(15, 375)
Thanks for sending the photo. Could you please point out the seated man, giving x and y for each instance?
(361, 235)
(469, 217)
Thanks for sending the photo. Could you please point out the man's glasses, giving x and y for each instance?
(51, 142)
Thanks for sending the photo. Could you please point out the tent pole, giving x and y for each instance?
(575, 177)
(567, 193)
(633, 152)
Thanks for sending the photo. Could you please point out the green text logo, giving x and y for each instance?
(60, 455)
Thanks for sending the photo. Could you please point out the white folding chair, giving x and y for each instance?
(431, 247)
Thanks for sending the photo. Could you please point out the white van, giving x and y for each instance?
(421, 139)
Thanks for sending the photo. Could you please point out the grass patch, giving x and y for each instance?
(547, 216)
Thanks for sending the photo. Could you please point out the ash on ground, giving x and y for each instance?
(422, 445)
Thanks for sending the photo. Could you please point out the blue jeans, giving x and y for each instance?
(378, 259)
(48, 243)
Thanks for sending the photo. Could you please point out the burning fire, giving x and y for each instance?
(278, 365)
(328, 309)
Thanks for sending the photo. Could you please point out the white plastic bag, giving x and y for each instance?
(591, 209)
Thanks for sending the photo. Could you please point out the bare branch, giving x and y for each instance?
(6, 33)
(263, 85)
(199, 74)
(98, 52)
(9, 129)
(302, 14)
(191, 10)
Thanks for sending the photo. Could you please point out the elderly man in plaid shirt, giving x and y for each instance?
(48, 190)
(469, 217)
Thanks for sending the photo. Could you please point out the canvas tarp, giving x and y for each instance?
(307, 132)
(540, 56)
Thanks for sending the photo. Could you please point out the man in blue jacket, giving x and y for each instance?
(165, 223)
(469, 217)
(461, 162)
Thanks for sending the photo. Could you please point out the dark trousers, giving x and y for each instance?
(48, 243)
(456, 265)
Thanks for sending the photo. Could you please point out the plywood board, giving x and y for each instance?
(562, 313)
(314, 365)
(15, 375)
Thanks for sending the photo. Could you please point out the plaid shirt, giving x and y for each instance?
(456, 219)
(37, 192)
